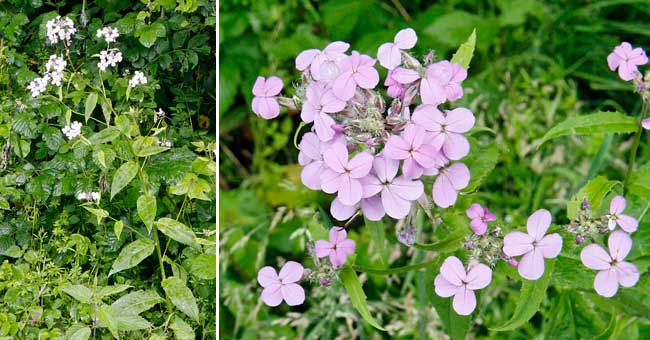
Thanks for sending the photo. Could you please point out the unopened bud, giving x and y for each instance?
(579, 239)
(406, 236)
(585, 204)
(324, 281)
(469, 245)
(513, 262)
(338, 127)
(429, 58)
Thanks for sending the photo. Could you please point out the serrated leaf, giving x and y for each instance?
(105, 291)
(129, 322)
(136, 302)
(80, 334)
(182, 331)
(378, 235)
(100, 213)
(481, 163)
(594, 191)
(91, 102)
(108, 317)
(639, 183)
(147, 209)
(204, 266)
(465, 52)
(530, 298)
(595, 123)
(123, 176)
(132, 254)
(181, 297)
(80, 293)
(147, 146)
(177, 231)
(352, 284)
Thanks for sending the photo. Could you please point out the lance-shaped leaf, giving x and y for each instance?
(132, 254)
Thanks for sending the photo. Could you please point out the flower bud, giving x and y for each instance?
(406, 236)
(469, 245)
(324, 281)
(513, 262)
(579, 239)
(585, 204)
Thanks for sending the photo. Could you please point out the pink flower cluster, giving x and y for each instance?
(627, 60)
(373, 156)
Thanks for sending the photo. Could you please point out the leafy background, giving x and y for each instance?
(537, 63)
(70, 270)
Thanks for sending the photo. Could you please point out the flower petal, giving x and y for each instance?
(452, 270)
(475, 211)
(538, 224)
(405, 39)
(273, 86)
(291, 272)
(395, 206)
(464, 301)
(396, 148)
(323, 248)
(259, 86)
(550, 245)
(267, 276)
(366, 77)
(404, 75)
(459, 175)
(606, 283)
(293, 294)
(479, 277)
(350, 190)
(272, 295)
(617, 205)
(385, 168)
(429, 117)
(340, 211)
(406, 189)
(360, 164)
(626, 274)
(373, 208)
(531, 266)
(517, 243)
(455, 146)
(431, 92)
(444, 288)
(305, 58)
(389, 56)
(337, 157)
(330, 181)
(310, 175)
(323, 124)
(478, 226)
(627, 223)
(595, 257)
(443, 192)
(460, 120)
(344, 86)
(619, 244)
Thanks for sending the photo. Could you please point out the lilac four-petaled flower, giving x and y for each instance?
(283, 286)
(390, 55)
(337, 248)
(447, 128)
(342, 174)
(265, 103)
(356, 70)
(616, 216)
(454, 281)
(412, 147)
(480, 217)
(323, 65)
(321, 101)
(626, 59)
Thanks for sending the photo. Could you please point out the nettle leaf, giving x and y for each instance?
(193, 186)
(80, 293)
(81, 334)
(600, 122)
(131, 255)
(91, 102)
(127, 322)
(378, 233)
(481, 162)
(108, 316)
(117, 228)
(204, 266)
(465, 52)
(181, 297)
(123, 176)
(594, 191)
(135, 303)
(147, 210)
(105, 291)
(182, 331)
(147, 34)
(571, 317)
(53, 138)
(639, 182)
(531, 296)
(457, 325)
(177, 231)
(353, 286)
(147, 146)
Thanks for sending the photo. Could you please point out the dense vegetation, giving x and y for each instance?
(107, 209)
(536, 64)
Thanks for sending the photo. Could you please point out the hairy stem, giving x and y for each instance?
(395, 270)
(635, 146)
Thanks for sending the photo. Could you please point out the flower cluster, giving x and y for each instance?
(110, 58)
(138, 78)
(60, 29)
(53, 73)
(109, 34)
(38, 86)
(89, 196)
(627, 60)
(72, 130)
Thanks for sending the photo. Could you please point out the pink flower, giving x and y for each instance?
(311, 158)
(627, 223)
(454, 281)
(480, 217)
(442, 82)
(412, 147)
(646, 123)
(447, 128)
(343, 176)
(321, 101)
(337, 248)
(450, 180)
(395, 88)
(323, 64)
(626, 60)
(389, 54)
(357, 70)
(612, 270)
(283, 286)
(534, 246)
(397, 193)
(265, 90)
(371, 207)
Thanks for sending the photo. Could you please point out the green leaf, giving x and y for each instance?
(80, 334)
(571, 318)
(105, 291)
(639, 182)
(204, 267)
(13, 252)
(126, 322)
(117, 228)
(181, 297)
(147, 210)
(104, 136)
(465, 52)
(182, 331)
(123, 176)
(91, 102)
(100, 213)
(131, 255)
(80, 293)
(600, 122)
(481, 162)
(353, 286)
(378, 234)
(4, 204)
(53, 138)
(108, 317)
(177, 231)
(136, 302)
(531, 296)
(594, 191)
(193, 186)
(147, 146)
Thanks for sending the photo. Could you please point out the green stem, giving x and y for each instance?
(635, 146)
(162, 266)
(396, 270)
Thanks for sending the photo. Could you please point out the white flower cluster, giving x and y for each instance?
(54, 69)
(73, 130)
(108, 33)
(138, 78)
(160, 113)
(164, 143)
(109, 58)
(60, 30)
(88, 196)
(38, 86)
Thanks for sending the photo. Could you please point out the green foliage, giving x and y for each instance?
(353, 286)
(601, 122)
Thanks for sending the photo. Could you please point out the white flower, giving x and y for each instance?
(109, 34)
(73, 130)
(60, 30)
(54, 67)
(38, 86)
(109, 58)
(138, 78)
(160, 113)
(88, 196)
(164, 143)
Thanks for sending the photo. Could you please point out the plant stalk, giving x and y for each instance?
(635, 146)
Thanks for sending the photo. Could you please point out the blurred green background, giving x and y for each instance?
(536, 64)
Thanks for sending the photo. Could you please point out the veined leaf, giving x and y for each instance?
(177, 231)
(182, 331)
(465, 52)
(531, 296)
(378, 234)
(594, 191)
(480, 164)
(147, 210)
(80, 293)
(639, 183)
(131, 255)
(81, 334)
(600, 122)
(91, 102)
(110, 290)
(353, 286)
(136, 302)
(107, 315)
(181, 297)
(123, 176)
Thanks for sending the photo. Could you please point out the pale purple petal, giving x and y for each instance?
(606, 283)
(396, 148)
(360, 164)
(330, 181)
(395, 206)
(385, 168)
(308, 112)
(479, 277)
(646, 123)
(444, 288)
(627, 274)
(411, 168)
(429, 117)
(266, 107)
(453, 91)
(613, 61)
(475, 211)
(340, 211)
(305, 58)
(293, 294)
(455, 146)
(531, 265)
(366, 77)
(337, 234)
(330, 103)
(626, 71)
(517, 243)
(627, 223)
(464, 301)
(272, 295)
(267, 276)
(550, 245)
(478, 226)
(406, 188)
(350, 190)
(617, 205)
(619, 244)
(460, 120)
(459, 175)
(538, 224)
(337, 157)
(323, 248)
(273, 86)
(259, 86)
(452, 270)
(444, 194)
(291, 272)
(344, 86)
(389, 56)
(595, 257)
(431, 92)
(310, 147)
(405, 39)
(346, 246)
(311, 175)
(371, 185)
(373, 208)
(337, 47)
(404, 75)
(323, 124)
